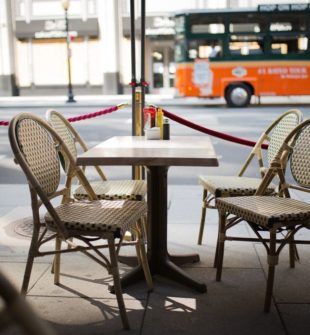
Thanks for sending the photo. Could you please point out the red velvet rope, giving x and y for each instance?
(92, 115)
(171, 116)
(80, 117)
(211, 132)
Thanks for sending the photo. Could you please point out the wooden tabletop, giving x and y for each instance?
(137, 150)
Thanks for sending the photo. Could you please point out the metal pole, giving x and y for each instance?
(142, 80)
(133, 63)
(70, 91)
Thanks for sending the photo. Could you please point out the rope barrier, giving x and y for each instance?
(92, 115)
(171, 116)
(84, 116)
(211, 132)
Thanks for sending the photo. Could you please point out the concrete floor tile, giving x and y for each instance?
(290, 285)
(296, 318)
(182, 239)
(15, 272)
(81, 276)
(233, 306)
(87, 316)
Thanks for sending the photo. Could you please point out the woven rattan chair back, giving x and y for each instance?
(28, 133)
(286, 123)
(64, 130)
(274, 135)
(70, 136)
(295, 153)
(300, 158)
(36, 147)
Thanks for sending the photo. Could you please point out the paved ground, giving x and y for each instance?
(83, 305)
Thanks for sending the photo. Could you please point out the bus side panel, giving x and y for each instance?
(183, 81)
(284, 78)
(265, 77)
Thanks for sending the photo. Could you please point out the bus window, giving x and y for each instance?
(248, 23)
(288, 44)
(246, 45)
(205, 49)
(281, 22)
(205, 24)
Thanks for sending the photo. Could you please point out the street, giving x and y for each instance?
(246, 123)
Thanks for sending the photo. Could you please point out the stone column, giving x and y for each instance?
(109, 17)
(8, 82)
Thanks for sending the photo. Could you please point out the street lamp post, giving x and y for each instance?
(65, 5)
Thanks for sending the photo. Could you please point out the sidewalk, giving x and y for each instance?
(157, 99)
(82, 304)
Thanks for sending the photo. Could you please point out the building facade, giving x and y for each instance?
(33, 49)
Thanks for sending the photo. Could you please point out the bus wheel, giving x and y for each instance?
(238, 95)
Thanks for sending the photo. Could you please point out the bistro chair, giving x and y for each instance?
(18, 312)
(230, 186)
(37, 148)
(104, 189)
(273, 214)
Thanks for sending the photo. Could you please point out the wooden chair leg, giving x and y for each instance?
(27, 273)
(203, 216)
(220, 247)
(56, 262)
(216, 250)
(142, 256)
(293, 253)
(117, 283)
(272, 262)
(31, 255)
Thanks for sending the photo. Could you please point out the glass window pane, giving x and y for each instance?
(247, 23)
(246, 45)
(289, 44)
(200, 24)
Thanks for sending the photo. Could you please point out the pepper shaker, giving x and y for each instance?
(166, 129)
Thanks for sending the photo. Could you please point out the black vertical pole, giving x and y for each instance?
(133, 63)
(142, 80)
(133, 72)
(70, 91)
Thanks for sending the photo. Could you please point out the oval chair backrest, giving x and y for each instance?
(60, 125)
(39, 151)
(63, 129)
(279, 133)
(300, 157)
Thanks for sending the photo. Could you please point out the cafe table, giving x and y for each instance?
(157, 156)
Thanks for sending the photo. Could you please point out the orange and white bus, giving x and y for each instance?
(237, 54)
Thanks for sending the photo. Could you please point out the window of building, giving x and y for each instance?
(43, 8)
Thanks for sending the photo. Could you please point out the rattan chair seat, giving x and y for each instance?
(115, 189)
(266, 211)
(102, 215)
(230, 186)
